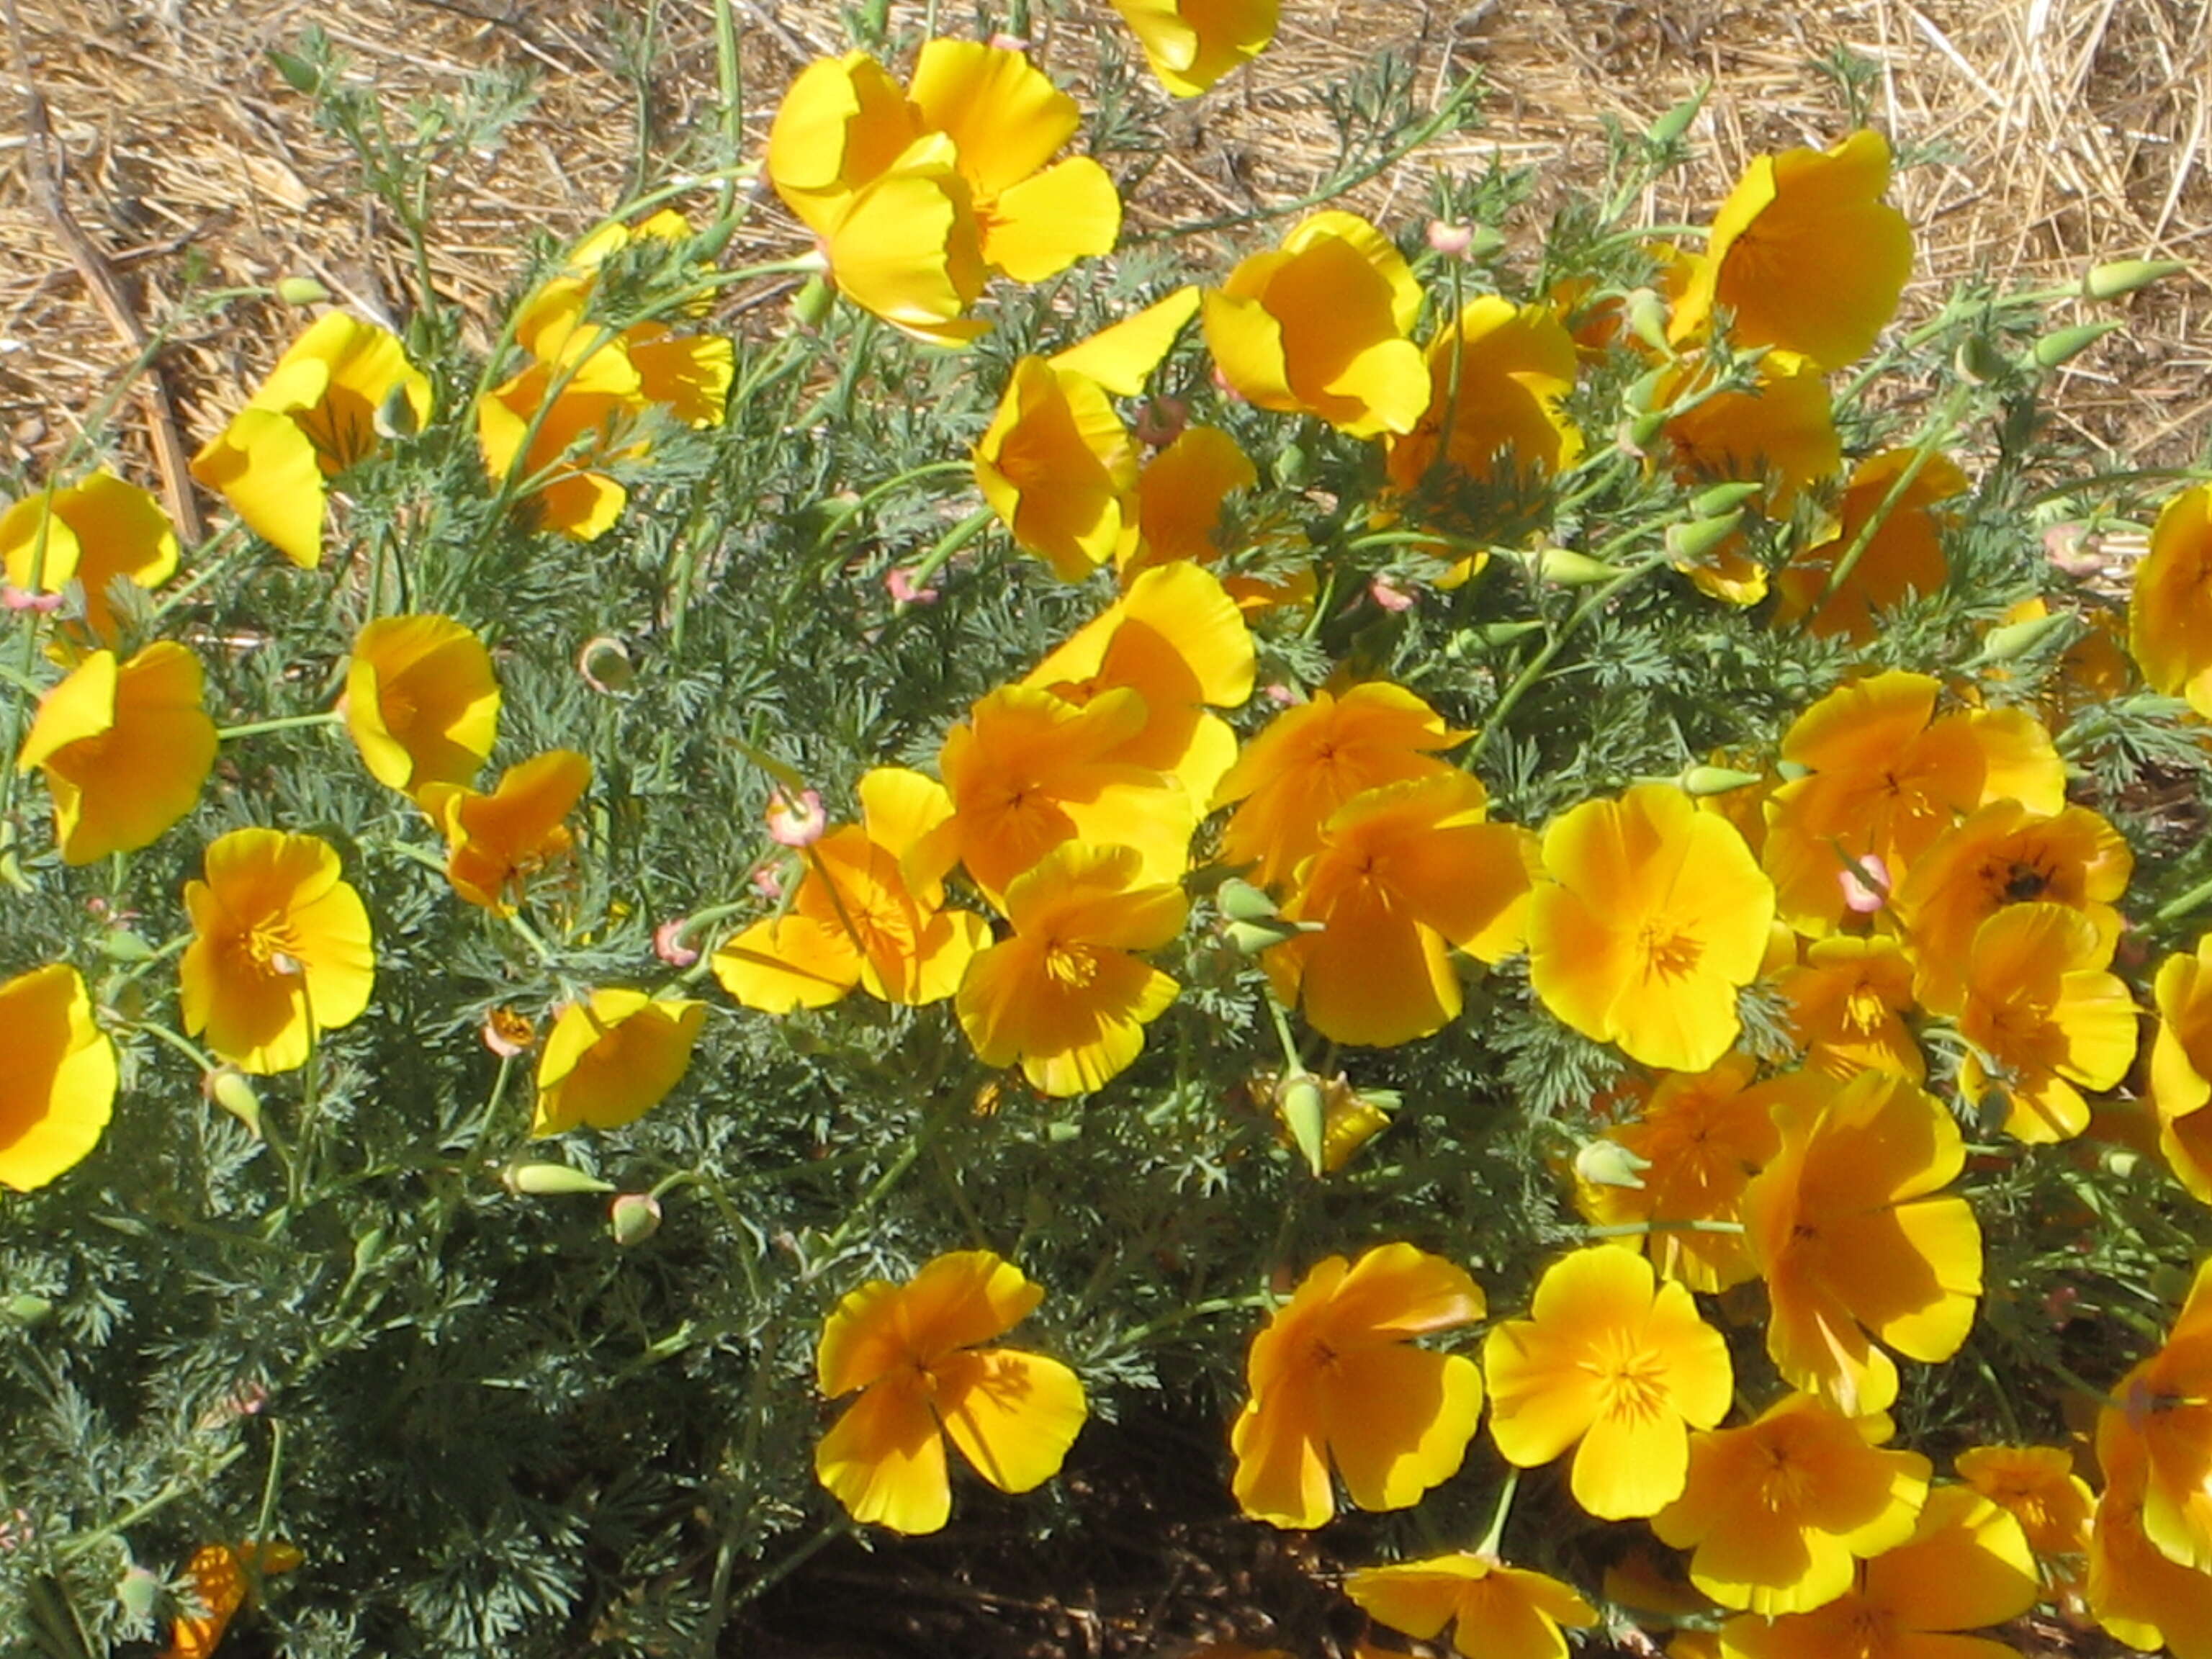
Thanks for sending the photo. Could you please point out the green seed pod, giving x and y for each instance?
(1690, 541)
(136, 1592)
(1568, 568)
(368, 1250)
(1647, 321)
(633, 1218)
(1240, 900)
(236, 1094)
(2111, 280)
(298, 74)
(302, 291)
(1715, 780)
(810, 306)
(551, 1180)
(2017, 640)
(2121, 1162)
(1609, 1163)
(2053, 349)
(1675, 122)
(1305, 1109)
(121, 945)
(27, 1310)
(1722, 499)
(1978, 361)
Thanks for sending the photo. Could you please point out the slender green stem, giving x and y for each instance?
(1183, 1315)
(730, 79)
(1941, 431)
(1493, 1535)
(850, 510)
(285, 723)
(2174, 909)
(893, 1174)
(27, 654)
(177, 1486)
(1661, 1224)
(1526, 678)
(792, 1563)
(1292, 1063)
(950, 543)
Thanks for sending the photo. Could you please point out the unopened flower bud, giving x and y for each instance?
(1453, 241)
(1691, 541)
(633, 1218)
(1865, 884)
(1718, 499)
(1715, 780)
(1293, 467)
(1638, 434)
(1978, 361)
(301, 291)
(549, 1180)
(669, 945)
(1609, 1163)
(1305, 1109)
(1002, 41)
(1391, 597)
(229, 1089)
(1160, 421)
(2073, 549)
(507, 1033)
(899, 582)
(1506, 633)
(605, 666)
(22, 599)
(2111, 280)
(1646, 320)
(26, 1309)
(810, 306)
(2068, 343)
(136, 1592)
(1240, 900)
(1675, 122)
(1641, 396)
(795, 822)
(2016, 640)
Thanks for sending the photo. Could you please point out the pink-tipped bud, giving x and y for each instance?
(2073, 549)
(1001, 41)
(1283, 696)
(1865, 884)
(767, 881)
(1453, 241)
(668, 943)
(796, 822)
(1161, 421)
(19, 599)
(899, 583)
(508, 1033)
(1387, 594)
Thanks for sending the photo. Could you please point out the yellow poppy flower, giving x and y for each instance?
(281, 950)
(1905, 555)
(1804, 255)
(126, 750)
(2036, 1486)
(1294, 775)
(855, 920)
(1177, 639)
(219, 1581)
(1966, 1566)
(494, 843)
(1318, 326)
(314, 416)
(1847, 999)
(1653, 916)
(2044, 1015)
(841, 123)
(1886, 777)
(1027, 770)
(57, 1090)
(2148, 1534)
(1405, 873)
(2003, 854)
(1336, 1381)
(1058, 467)
(1180, 495)
(1845, 1225)
(1191, 43)
(1062, 995)
(1616, 1363)
(1514, 367)
(2181, 1057)
(420, 701)
(1779, 1510)
(913, 1351)
(1700, 1138)
(610, 1059)
(2169, 601)
(907, 246)
(1496, 1612)
(96, 530)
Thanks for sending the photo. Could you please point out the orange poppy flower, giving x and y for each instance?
(2004, 855)
(1496, 1612)
(1063, 995)
(1318, 327)
(1498, 386)
(218, 1576)
(92, 533)
(1653, 917)
(1309, 761)
(2036, 1486)
(1966, 1566)
(1847, 1229)
(1180, 495)
(57, 1090)
(1804, 255)
(2181, 1061)
(2169, 601)
(1191, 44)
(611, 1058)
(913, 1353)
(1336, 1381)
(1779, 1512)
(1886, 777)
(1904, 557)
(1846, 1002)
(1699, 1138)
(2045, 1017)
(126, 750)
(494, 843)
(1059, 468)
(1616, 1363)
(2140, 1589)
(1405, 873)
(420, 701)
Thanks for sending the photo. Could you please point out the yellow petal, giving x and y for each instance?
(1013, 1415)
(264, 466)
(1122, 356)
(883, 1460)
(57, 1090)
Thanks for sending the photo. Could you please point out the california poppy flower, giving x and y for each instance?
(315, 416)
(1064, 995)
(218, 1576)
(1904, 557)
(90, 533)
(57, 1090)
(1699, 1138)
(1498, 385)
(1804, 255)
(1999, 855)
(1336, 1382)
(1848, 1228)
(914, 1353)
(1318, 326)
(1779, 1510)
(1965, 1567)
(281, 950)
(1405, 873)
(2036, 1486)
(1306, 762)
(2181, 1055)
(495, 842)
(2045, 1017)
(1180, 495)
(1496, 1612)
(1886, 775)
(420, 701)
(1653, 916)
(125, 749)
(1614, 1363)
(2143, 1585)
(1191, 43)
(2169, 601)
(1059, 468)
(611, 1058)
(1847, 999)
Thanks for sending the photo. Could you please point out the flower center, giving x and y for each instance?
(1071, 966)
(270, 947)
(1631, 1379)
(1669, 952)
